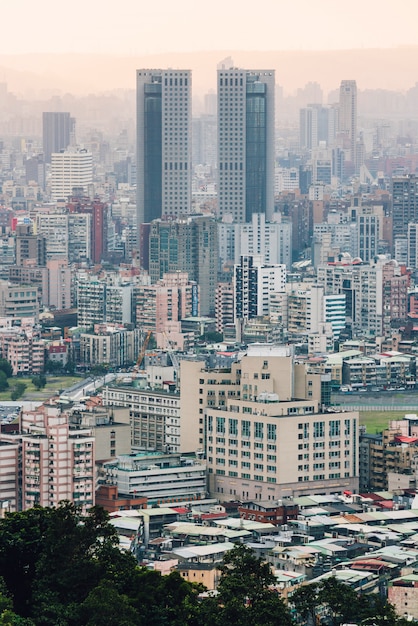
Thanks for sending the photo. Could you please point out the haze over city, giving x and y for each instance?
(209, 313)
(97, 46)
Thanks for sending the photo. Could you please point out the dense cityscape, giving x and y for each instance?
(208, 353)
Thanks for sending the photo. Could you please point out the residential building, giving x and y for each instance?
(245, 143)
(254, 281)
(164, 151)
(53, 227)
(56, 462)
(59, 284)
(111, 345)
(224, 305)
(71, 169)
(24, 349)
(79, 237)
(171, 299)
(29, 246)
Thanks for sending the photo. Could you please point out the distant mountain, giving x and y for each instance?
(41, 75)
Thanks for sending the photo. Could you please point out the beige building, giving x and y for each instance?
(264, 430)
(154, 415)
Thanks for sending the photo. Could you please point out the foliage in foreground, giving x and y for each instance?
(58, 568)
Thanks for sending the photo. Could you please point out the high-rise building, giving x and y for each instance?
(245, 143)
(29, 246)
(164, 151)
(317, 123)
(253, 283)
(348, 115)
(57, 129)
(187, 245)
(57, 461)
(405, 203)
(71, 169)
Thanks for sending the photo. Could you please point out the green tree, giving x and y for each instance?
(6, 368)
(305, 602)
(3, 381)
(245, 596)
(53, 367)
(340, 599)
(17, 391)
(39, 381)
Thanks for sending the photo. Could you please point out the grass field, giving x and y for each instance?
(376, 421)
(53, 385)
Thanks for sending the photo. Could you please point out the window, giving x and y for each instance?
(258, 430)
(319, 429)
(245, 428)
(220, 425)
(233, 426)
(271, 432)
(334, 428)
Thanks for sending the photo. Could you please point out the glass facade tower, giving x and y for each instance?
(245, 143)
(163, 144)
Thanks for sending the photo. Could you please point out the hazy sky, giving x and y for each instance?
(159, 26)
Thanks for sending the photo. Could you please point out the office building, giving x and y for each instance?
(317, 123)
(154, 415)
(164, 150)
(348, 117)
(245, 143)
(57, 131)
(189, 245)
(70, 170)
(260, 442)
(18, 301)
(404, 203)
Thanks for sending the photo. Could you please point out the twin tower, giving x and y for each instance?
(245, 143)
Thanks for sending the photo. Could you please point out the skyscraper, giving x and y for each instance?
(163, 143)
(245, 143)
(57, 128)
(405, 203)
(348, 115)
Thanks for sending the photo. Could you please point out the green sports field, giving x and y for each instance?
(376, 421)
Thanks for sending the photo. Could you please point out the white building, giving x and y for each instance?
(161, 478)
(70, 169)
(272, 240)
(254, 281)
(54, 227)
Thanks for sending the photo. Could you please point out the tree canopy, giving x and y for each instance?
(61, 568)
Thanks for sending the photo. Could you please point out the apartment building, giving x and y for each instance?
(116, 346)
(56, 462)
